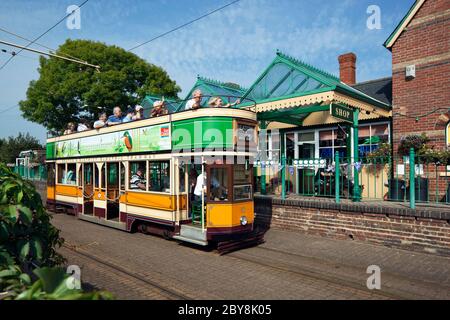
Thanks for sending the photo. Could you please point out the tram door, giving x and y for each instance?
(88, 188)
(112, 191)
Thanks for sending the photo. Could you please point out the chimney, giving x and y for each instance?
(347, 68)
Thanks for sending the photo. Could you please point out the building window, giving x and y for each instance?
(371, 136)
(332, 141)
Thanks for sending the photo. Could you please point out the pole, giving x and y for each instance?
(356, 189)
(337, 173)
(48, 54)
(412, 176)
(203, 195)
(263, 150)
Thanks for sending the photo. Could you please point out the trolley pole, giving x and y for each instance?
(203, 194)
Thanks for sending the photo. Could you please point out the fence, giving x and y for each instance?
(32, 173)
(369, 179)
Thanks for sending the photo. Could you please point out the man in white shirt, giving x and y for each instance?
(199, 186)
(196, 100)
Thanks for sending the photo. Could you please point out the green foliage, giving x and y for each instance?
(417, 142)
(381, 155)
(28, 243)
(12, 146)
(67, 91)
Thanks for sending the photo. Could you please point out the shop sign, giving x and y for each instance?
(342, 112)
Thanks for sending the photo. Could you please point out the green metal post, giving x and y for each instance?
(283, 177)
(263, 126)
(337, 172)
(412, 182)
(356, 189)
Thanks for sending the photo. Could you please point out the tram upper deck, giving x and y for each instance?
(183, 131)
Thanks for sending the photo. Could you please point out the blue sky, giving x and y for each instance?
(235, 44)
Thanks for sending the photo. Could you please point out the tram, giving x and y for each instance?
(142, 175)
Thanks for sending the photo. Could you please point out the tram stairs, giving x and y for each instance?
(193, 234)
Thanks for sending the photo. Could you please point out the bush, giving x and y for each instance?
(28, 242)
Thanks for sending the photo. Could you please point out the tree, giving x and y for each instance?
(30, 266)
(12, 146)
(68, 91)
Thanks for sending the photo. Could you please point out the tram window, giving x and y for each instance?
(242, 174)
(61, 173)
(122, 176)
(159, 176)
(138, 176)
(96, 174)
(71, 176)
(51, 174)
(103, 176)
(218, 184)
(242, 192)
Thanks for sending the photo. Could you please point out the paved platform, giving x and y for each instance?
(288, 266)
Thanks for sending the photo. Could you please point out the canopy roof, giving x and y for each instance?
(289, 90)
(149, 100)
(229, 92)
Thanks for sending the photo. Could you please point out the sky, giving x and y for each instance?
(235, 44)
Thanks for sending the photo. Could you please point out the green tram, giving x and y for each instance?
(92, 174)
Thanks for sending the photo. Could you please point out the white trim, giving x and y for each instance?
(405, 23)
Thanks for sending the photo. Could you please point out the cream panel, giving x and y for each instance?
(100, 204)
(66, 199)
(151, 213)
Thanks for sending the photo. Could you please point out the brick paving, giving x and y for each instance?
(288, 266)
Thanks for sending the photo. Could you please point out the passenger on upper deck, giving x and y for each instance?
(139, 113)
(101, 122)
(83, 125)
(130, 115)
(159, 109)
(196, 100)
(71, 128)
(217, 102)
(117, 118)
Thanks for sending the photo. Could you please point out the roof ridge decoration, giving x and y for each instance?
(307, 65)
(403, 24)
(220, 83)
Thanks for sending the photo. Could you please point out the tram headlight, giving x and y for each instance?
(244, 220)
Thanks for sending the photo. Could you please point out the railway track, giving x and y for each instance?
(167, 292)
(316, 276)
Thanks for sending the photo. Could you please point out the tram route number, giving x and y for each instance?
(227, 310)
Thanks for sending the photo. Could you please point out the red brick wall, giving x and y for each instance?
(405, 232)
(425, 43)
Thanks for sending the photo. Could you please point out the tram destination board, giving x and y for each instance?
(341, 112)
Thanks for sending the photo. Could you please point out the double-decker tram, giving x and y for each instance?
(186, 175)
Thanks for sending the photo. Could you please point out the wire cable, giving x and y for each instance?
(39, 44)
(183, 25)
(47, 31)
(8, 109)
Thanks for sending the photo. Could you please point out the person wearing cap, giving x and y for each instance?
(159, 109)
(130, 115)
(139, 113)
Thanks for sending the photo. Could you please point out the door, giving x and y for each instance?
(88, 188)
(112, 191)
(306, 153)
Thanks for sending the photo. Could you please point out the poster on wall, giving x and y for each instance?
(146, 139)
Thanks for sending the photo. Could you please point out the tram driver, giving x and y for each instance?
(138, 181)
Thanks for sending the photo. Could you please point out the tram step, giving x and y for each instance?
(195, 241)
(192, 232)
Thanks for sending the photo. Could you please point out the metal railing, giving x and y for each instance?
(32, 173)
(378, 179)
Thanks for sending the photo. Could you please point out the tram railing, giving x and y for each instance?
(379, 179)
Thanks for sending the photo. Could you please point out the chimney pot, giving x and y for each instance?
(347, 68)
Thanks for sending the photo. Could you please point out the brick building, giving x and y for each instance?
(420, 47)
